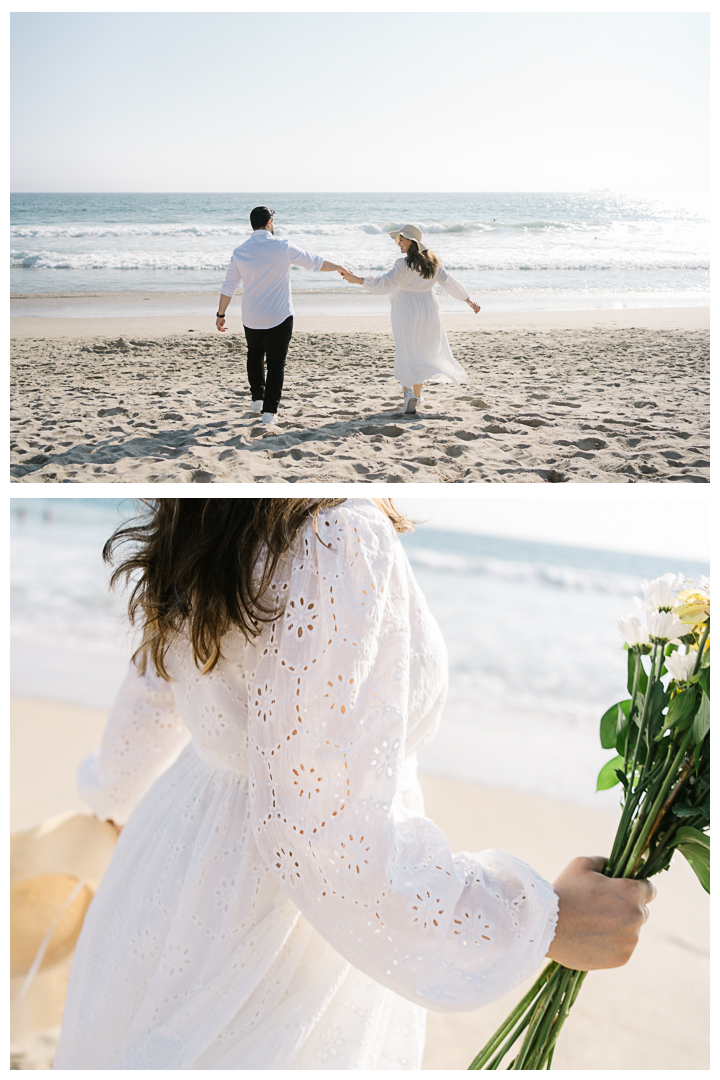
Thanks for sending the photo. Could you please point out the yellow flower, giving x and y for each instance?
(694, 607)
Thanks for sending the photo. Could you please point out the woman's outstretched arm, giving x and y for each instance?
(379, 283)
(329, 706)
(452, 286)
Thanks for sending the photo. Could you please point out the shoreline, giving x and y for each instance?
(682, 318)
(651, 1014)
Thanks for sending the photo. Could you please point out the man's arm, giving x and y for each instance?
(222, 308)
(231, 283)
(308, 261)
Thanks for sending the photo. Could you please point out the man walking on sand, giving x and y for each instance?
(263, 264)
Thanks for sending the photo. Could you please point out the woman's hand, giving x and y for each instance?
(600, 918)
(220, 324)
(353, 279)
(473, 305)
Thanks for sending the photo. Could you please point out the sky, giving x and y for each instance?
(288, 102)
(672, 525)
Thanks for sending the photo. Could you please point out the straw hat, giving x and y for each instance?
(55, 870)
(410, 232)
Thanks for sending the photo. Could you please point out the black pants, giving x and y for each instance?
(272, 345)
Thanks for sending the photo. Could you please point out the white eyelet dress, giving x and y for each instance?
(422, 350)
(277, 899)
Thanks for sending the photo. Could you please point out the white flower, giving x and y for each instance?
(664, 626)
(681, 666)
(660, 593)
(702, 585)
(633, 631)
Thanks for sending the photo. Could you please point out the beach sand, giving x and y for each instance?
(617, 396)
(651, 1014)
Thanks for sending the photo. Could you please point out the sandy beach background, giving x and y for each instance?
(610, 396)
(652, 1014)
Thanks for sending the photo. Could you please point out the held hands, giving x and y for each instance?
(351, 278)
(600, 918)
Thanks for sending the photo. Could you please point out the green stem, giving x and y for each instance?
(488, 1050)
(539, 1030)
(513, 1038)
(644, 713)
(701, 646)
(657, 804)
(629, 804)
(622, 841)
(573, 991)
(636, 682)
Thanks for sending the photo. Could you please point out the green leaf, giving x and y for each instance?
(680, 708)
(701, 723)
(704, 680)
(658, 699)
(634, 659)
(611, 722)
(695, 846)
(699, 859)
(689, 835)
(608, 776)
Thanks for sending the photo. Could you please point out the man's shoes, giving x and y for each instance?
(409, 402)
(257, 406)
(269, 418)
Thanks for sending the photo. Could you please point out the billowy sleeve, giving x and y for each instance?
(386, 283)
(304, 259)
(142, 738)
(452, 285)
(329, 691)
(232, 279)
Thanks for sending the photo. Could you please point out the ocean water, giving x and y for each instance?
(512, 251)
(535, 657)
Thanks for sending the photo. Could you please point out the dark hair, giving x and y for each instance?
(426, 263)
(204, 566)
(259, 216)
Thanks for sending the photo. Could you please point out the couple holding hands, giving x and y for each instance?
(262, 264)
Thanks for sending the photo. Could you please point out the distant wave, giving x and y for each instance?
(556, 577)
(80, 230)
(196, 260)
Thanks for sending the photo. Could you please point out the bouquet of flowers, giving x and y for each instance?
(661, 738)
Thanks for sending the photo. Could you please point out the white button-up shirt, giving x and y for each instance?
(263, 264)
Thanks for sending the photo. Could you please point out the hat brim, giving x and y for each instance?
(399, 232)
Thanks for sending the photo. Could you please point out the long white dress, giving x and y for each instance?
(422, 350)
(277, 898)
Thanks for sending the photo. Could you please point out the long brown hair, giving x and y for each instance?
(204, 566)
(426, 263)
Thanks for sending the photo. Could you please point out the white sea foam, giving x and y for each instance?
(605, 244)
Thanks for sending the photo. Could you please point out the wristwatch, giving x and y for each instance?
(219, 316)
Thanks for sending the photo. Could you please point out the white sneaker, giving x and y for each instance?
(409, 402)
(257, 406)
(269, 418)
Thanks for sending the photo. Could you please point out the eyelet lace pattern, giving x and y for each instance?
(278, 898)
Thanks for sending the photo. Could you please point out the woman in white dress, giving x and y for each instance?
(277, 899)
(422, 350)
